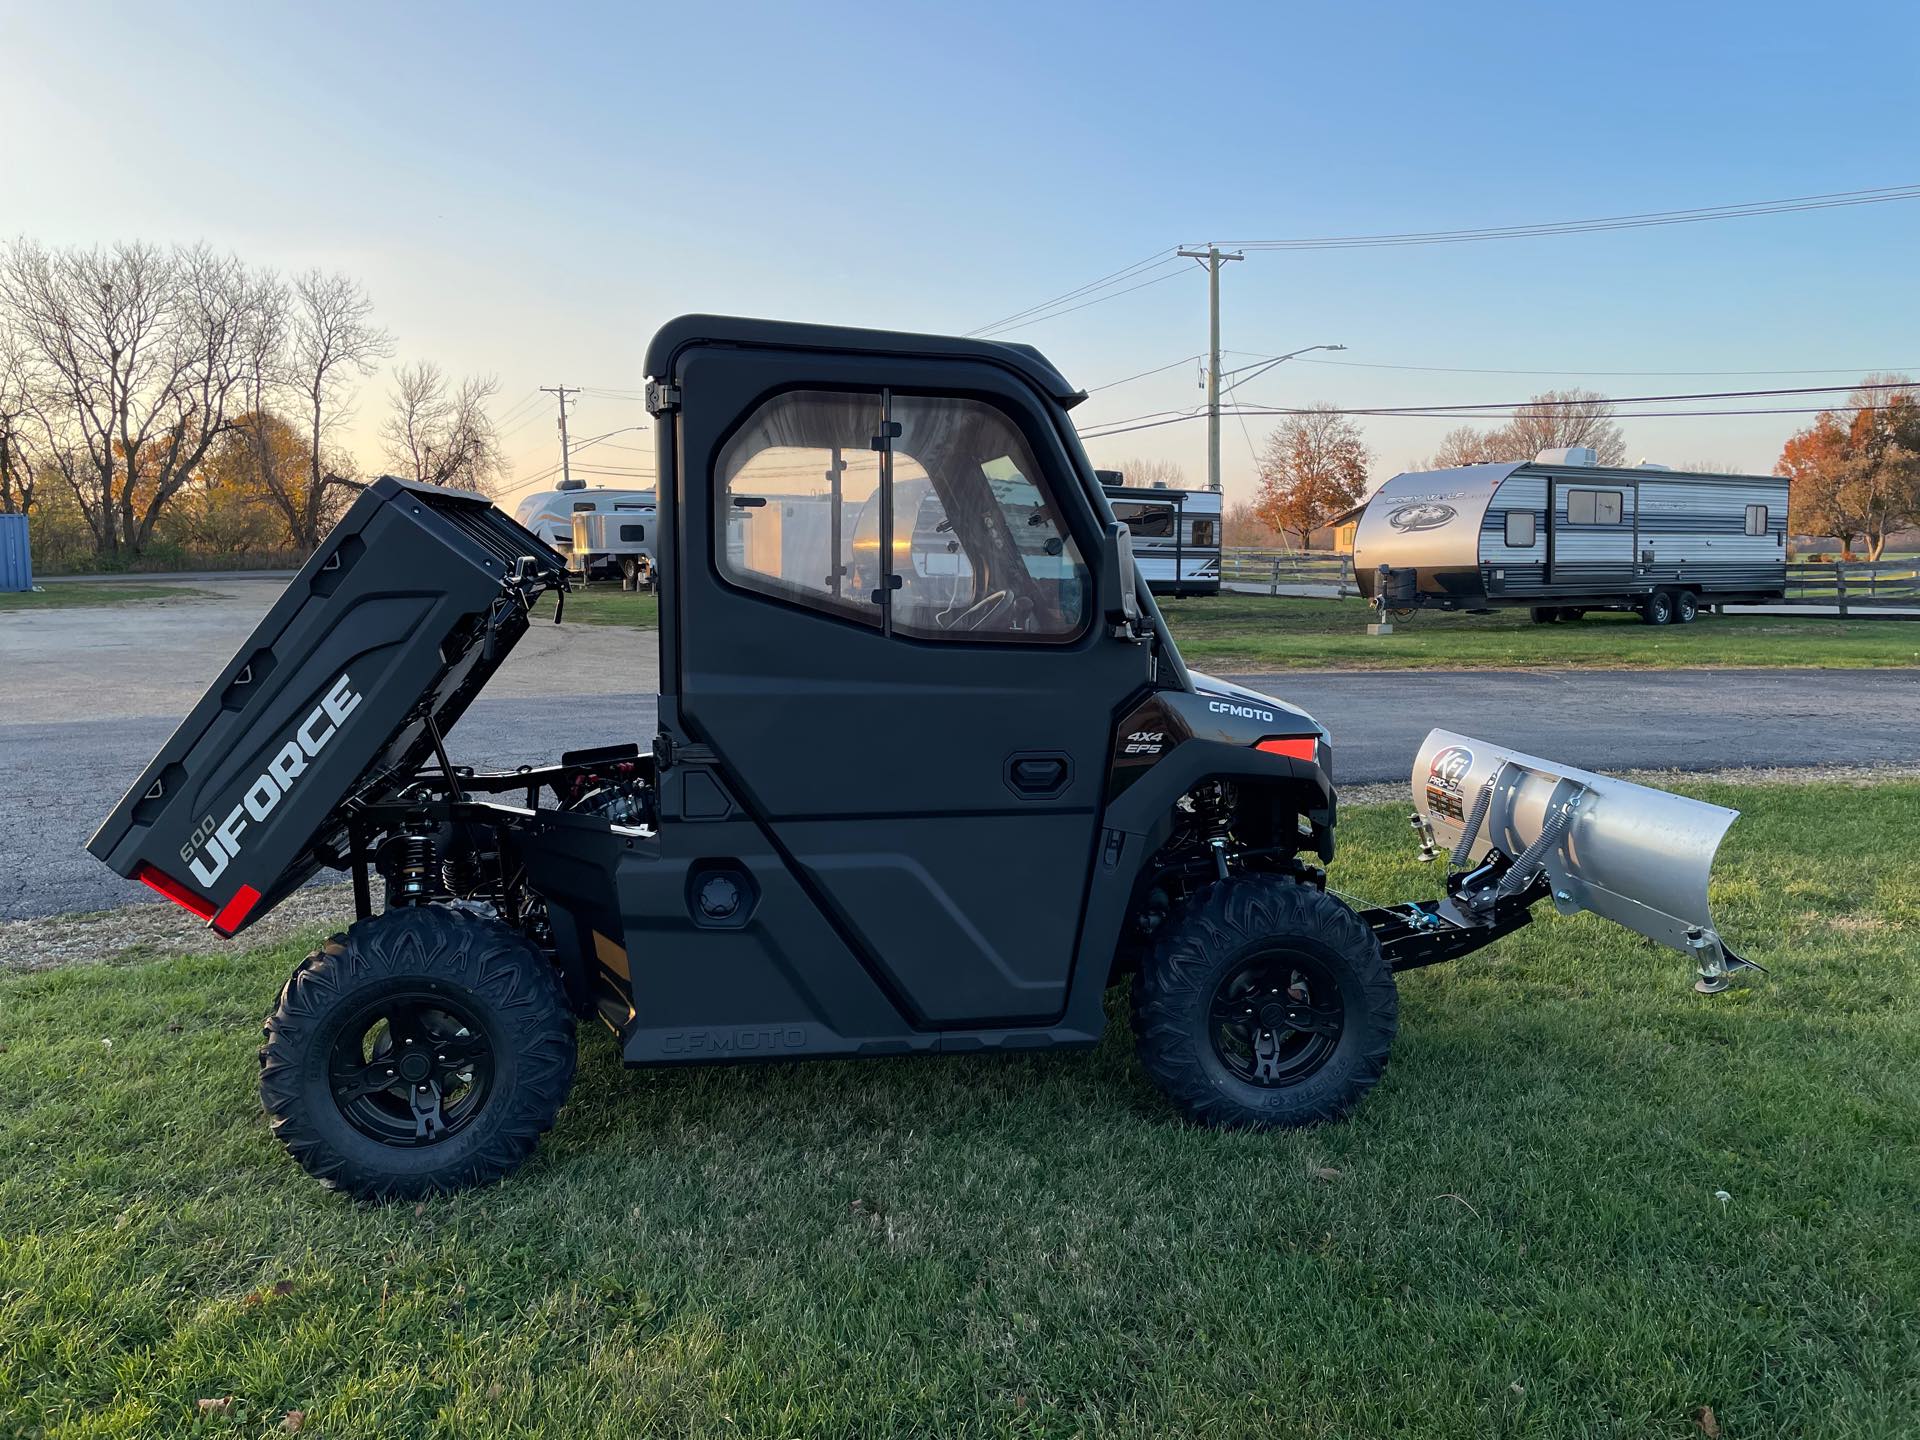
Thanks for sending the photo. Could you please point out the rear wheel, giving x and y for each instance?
(423, 1051)
(1265, 1003)
(1686, 607)
(1545, 614)
(1657, 608)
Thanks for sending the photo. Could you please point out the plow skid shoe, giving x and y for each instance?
(1634, 855)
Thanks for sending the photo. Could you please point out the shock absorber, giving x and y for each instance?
(1212, 812)
(409, 862)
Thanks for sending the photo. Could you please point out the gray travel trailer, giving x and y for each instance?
(1562, 536)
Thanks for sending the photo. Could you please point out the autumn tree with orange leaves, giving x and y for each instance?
(1855, 473)
(1312, 468)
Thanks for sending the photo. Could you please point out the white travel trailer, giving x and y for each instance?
(1176, 534)
(549, 513)
(1562, 536)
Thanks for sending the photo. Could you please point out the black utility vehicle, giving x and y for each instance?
(929, 776)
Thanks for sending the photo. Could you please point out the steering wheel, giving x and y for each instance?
(981, 611)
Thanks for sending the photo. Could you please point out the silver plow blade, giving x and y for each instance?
(1634, 855)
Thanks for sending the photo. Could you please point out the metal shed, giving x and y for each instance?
(16, 558)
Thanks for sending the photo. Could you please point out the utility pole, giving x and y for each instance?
(1212, 257)
(566, 469)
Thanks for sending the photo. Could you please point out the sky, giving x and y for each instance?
(529, 191)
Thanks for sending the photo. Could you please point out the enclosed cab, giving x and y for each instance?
(1561, 537)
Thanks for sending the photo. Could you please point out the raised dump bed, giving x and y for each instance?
(376, 648)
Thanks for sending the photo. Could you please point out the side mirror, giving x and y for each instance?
(1118, 581)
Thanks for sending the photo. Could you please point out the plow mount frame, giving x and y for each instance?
(1539, 819)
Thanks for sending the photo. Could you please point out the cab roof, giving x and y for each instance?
(677, 334)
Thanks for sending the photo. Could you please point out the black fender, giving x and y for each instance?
(1169, 742)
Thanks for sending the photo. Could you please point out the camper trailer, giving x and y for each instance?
(549, 513)
(1176, 534)
(1562, 536)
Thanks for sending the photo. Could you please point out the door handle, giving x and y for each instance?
(1038, 774)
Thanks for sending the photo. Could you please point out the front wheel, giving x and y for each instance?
(1657, 609)
(1265, 1003)
(423, 1051)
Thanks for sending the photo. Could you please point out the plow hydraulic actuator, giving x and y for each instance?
(1516, 829)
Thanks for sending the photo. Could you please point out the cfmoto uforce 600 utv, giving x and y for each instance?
(929, 776)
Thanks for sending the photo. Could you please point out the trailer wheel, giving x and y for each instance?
(1657, 609)
(1264, 1003)
(1686, 607)
(423, 1051)
(1546, 614)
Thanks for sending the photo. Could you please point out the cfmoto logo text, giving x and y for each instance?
(1245, 712)
(214, 844)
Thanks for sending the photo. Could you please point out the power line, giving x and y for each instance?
(992, 331)
(1599, 374)
(1157, 370)
(1879, 195)
(1499, 410)
(1159, 257)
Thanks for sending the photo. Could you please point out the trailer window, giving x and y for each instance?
(580, 505)
(792, 486)
(1756, 519)
(1520, 529)
(1147, 522)
(1593, 507)
(633, 534)
(1203, 533)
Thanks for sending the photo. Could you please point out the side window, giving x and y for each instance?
(582, 505)
(980, 551)
(1146, 522)
(1520, 531)
(1203, 534)
(1593, 507)
(793, 486)
(633, 534)
(1756, 519)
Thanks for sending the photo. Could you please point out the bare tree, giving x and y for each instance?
(1148, 473)
(1313, 468)
(442, 435)
(332, 341)
(1564, 417)
(1462, 445)
(20, 458)
(1547, 422)
(137, 356)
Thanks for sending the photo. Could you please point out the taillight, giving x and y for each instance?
(1294, 747)
(179, 894)
(226, 918)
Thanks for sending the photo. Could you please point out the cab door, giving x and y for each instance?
(886, 628)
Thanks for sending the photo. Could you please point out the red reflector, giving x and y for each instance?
(234, 913)
(174, 891)
(1294, 747)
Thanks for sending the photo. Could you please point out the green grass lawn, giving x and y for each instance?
(1518, 1233)
(64, 595)
(607, 604)
(1257, 632)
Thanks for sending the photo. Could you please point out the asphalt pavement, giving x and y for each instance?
(87, 695)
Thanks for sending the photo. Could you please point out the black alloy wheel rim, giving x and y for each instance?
(412, 1068)
(1276, 1018)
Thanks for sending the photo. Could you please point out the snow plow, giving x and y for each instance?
(928, 776)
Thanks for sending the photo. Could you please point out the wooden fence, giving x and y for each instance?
(1281, 570)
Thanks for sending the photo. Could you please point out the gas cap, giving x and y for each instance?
(719, 897)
